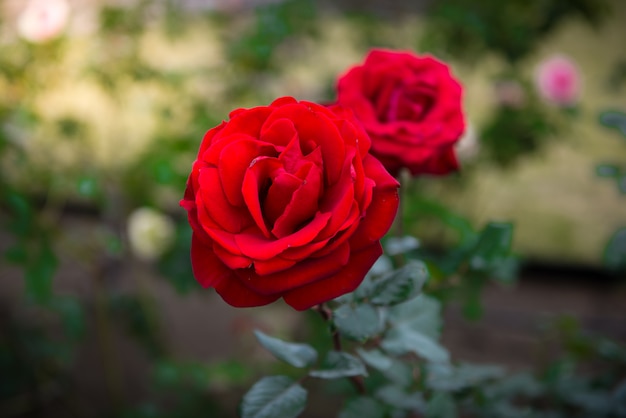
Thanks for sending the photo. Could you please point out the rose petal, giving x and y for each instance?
(302, 273)
(293, 159)
(257, 179)
(344, 232)
(315, 128)
(351, 129)
(207, 268)
(232, 261)
(236, 294)
(207, 140)
(300, 253)
(342, 282)
(444, 161)
(247, 121)
(234, 160)
(189, 204)
(382, 210)
(273, 265)
(258, 247)
(224, 239)
(279, 132)
(338, 200)
(301, 207)
(279, 194)
(212, 200)
(282, 101)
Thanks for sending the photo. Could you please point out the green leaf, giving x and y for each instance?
(404, 339)
(167, 374)
(607, 170)
(174, 375)
(163, 171)
(493, 245)
(521, 384)
(433, 208)
(472, 304)
(441, 405)
(71, 314)
(597, 403)
(174, 265)
(504, 408)
(614, 119)
(448, 379)
(366, 289)
(363, 407)
(400, 245)
(274, 397)
(422, 313)
(22, 211)
(134, 316)
(87, 186)
(298, 355)
(39, 273)
(505, 270)
(476, 373)
(621, 183)
(619, 399)
(396, 396)
(339, 364)
(393, 369)
(375, 359)
(17, 254)
(358, 322)
(615, 251)
(228, 373)
(400, 285)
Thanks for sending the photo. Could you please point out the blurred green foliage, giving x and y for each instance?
(615, 250)
(274, 24)
(472, 31)
(513, 132)
(511, 29)
(408, 371)
(390, 351)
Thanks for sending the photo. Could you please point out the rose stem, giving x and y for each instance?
(326, 314)
(404, 178)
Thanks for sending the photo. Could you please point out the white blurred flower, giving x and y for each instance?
(150, 233)
(468, 146)
(43, 20)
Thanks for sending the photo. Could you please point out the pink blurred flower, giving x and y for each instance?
(43, 20)
(558, 80)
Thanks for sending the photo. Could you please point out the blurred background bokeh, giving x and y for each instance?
(103, 104)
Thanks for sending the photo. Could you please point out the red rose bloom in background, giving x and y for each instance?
(285, 201)
(411, 108)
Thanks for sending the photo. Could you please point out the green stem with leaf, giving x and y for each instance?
(326, 314)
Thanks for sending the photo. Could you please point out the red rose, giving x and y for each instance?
(285, 201)
(411, 108)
